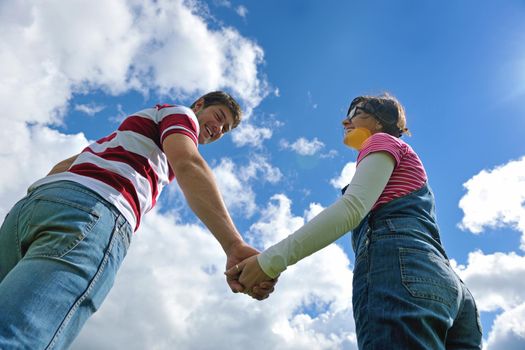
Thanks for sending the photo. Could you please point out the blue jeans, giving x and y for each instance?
(60, 249)
(405, 293)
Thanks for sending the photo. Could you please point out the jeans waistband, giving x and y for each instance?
(75, 186)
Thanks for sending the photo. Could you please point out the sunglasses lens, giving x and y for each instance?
(351, 114)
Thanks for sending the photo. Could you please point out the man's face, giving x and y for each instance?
(214, 121)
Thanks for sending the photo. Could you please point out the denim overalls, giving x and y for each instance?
(405, 293)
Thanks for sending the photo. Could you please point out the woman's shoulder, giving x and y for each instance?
(382, 142)
(382, 139)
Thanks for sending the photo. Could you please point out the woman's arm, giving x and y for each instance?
(368, 183)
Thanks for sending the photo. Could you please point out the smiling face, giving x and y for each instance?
(358, 118)
(214, 121)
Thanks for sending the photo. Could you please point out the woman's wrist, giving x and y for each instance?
(271, 265)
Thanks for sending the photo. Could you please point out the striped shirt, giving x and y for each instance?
(129, 168)
(408, 175)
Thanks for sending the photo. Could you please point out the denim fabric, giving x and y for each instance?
(60, 248)
(405, 293)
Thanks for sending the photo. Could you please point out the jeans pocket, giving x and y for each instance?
(426, 275)
(56, 227)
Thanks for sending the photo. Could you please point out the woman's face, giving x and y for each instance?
(358, 118)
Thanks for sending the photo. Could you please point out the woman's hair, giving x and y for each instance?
(387, 110)
(222, 98)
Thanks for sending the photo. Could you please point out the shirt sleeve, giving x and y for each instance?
(178, 120)
(382, 142)
(369, 181)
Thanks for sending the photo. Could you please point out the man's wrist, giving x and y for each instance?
(232, 244)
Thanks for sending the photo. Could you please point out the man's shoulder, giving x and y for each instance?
(173, 107)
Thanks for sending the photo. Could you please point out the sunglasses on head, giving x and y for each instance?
(356, 111)
(378, 110)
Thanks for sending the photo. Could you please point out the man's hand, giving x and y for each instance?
(236, 254)
(251, 273)
(63, 165)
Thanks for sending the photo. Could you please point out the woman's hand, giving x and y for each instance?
(256, 283)
(236, 254)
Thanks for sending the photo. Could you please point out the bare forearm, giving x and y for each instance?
(197, 182)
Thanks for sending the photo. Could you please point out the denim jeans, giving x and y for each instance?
(405, 293)
(60, 248)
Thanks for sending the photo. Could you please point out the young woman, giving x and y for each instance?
(405, 293)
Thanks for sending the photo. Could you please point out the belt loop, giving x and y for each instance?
(390, 225)
(121, 220)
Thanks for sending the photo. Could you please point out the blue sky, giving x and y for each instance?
(76, 70)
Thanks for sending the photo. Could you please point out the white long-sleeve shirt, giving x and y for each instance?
(368, 183)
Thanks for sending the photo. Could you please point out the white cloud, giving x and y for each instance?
(346, 176)
(29, 154)
(497, 283)
(120, 116)
(183, 55)
(310, 100)
(235, 181)
(303, 146)
(242, 11)
(313, 210)
(496, 280)
(223, 3)
(170, 293)
(495, 198)
(89, 109)
(331, 154)
(237, 194)
(260, 168)
(276, 223)
(249, 134)
(508, 331)
(48, 55)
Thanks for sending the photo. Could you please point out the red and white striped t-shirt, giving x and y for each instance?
(408, 175)
(129, 168)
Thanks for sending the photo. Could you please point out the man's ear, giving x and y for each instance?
(198, 105)
(379, 126)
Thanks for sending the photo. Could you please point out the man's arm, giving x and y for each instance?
(198, 185)
(197, 182)
(63, 165)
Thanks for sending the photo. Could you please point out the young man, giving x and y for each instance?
(62, 244)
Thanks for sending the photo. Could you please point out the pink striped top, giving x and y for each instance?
(409, 173)
(129, 168)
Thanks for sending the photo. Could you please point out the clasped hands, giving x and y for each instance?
(244, 274)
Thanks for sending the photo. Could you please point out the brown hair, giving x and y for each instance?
(387, 110)
(222, 98)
